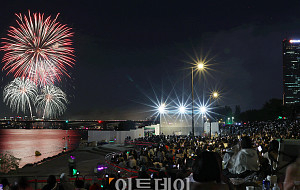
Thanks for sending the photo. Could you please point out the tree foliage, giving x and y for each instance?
(222, 112)
(8, 163)
(271, 110)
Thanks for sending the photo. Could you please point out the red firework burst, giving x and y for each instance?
(39, 48)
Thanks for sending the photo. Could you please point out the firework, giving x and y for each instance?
(39, 48)
(52, 101)
(19, 94)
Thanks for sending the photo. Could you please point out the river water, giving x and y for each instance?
(22, 143)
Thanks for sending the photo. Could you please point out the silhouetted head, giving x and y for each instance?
(274, 145)
(4, 182)
(246, 142)
(206, 168)
(23, 183)
(64, 178)
(79, 184)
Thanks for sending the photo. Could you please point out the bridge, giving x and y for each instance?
(74, 124)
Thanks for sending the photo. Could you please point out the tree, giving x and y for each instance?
(237, 112)
(125, 125)
(270, 111)
(223, 112)
(8, 163)
(250, 115)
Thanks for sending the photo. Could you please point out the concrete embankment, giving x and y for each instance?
(87, 159)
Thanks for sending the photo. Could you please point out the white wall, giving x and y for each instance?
(112, 135)
(172, 124)
(214, 128)
(154, 128)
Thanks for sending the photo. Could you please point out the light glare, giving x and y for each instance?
(182, 109)
(200, 66)
(162, 108)
(215, 94)
(294, 41)
(203, 109)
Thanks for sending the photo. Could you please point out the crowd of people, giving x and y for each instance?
(249, 152)
(62, 183)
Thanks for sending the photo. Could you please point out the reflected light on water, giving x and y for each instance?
(22, 143)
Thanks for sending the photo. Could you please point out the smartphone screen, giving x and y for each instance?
(259, 148)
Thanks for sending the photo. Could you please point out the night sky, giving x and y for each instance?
(128, 51)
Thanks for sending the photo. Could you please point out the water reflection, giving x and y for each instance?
(22, 143)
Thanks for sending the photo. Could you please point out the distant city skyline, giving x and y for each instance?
(291, 71)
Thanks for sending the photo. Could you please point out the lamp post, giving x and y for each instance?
(200, 66)
(214, 95)
(161, 110)
(203, 110)
(193, 124)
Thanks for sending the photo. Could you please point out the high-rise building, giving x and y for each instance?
(291, 71)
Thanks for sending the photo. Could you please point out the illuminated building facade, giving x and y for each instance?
(291, 71)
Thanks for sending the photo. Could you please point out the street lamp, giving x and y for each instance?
(214, 95)
(161, 110)
(203, 111)
(200, 66)
(182, 109)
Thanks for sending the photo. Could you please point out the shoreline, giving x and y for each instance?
(62, 153)
(51, 143)
(87, 158)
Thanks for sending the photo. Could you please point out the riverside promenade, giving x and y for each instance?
(87, 159)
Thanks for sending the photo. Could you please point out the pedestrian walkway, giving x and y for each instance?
(119, 147)
(87, 159)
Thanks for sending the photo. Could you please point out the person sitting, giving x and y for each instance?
(132, 162)
(23, 184)
(95, 185)
(159, 155)
(51, 183)
(292, 176)
(143, 158)
(5, 184)
(122, 163)
(64, 182)
(79, 184)
(245, 161)
(207, 173)
(272, 154)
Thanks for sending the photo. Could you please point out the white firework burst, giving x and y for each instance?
(52, 101)
(19, 94)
